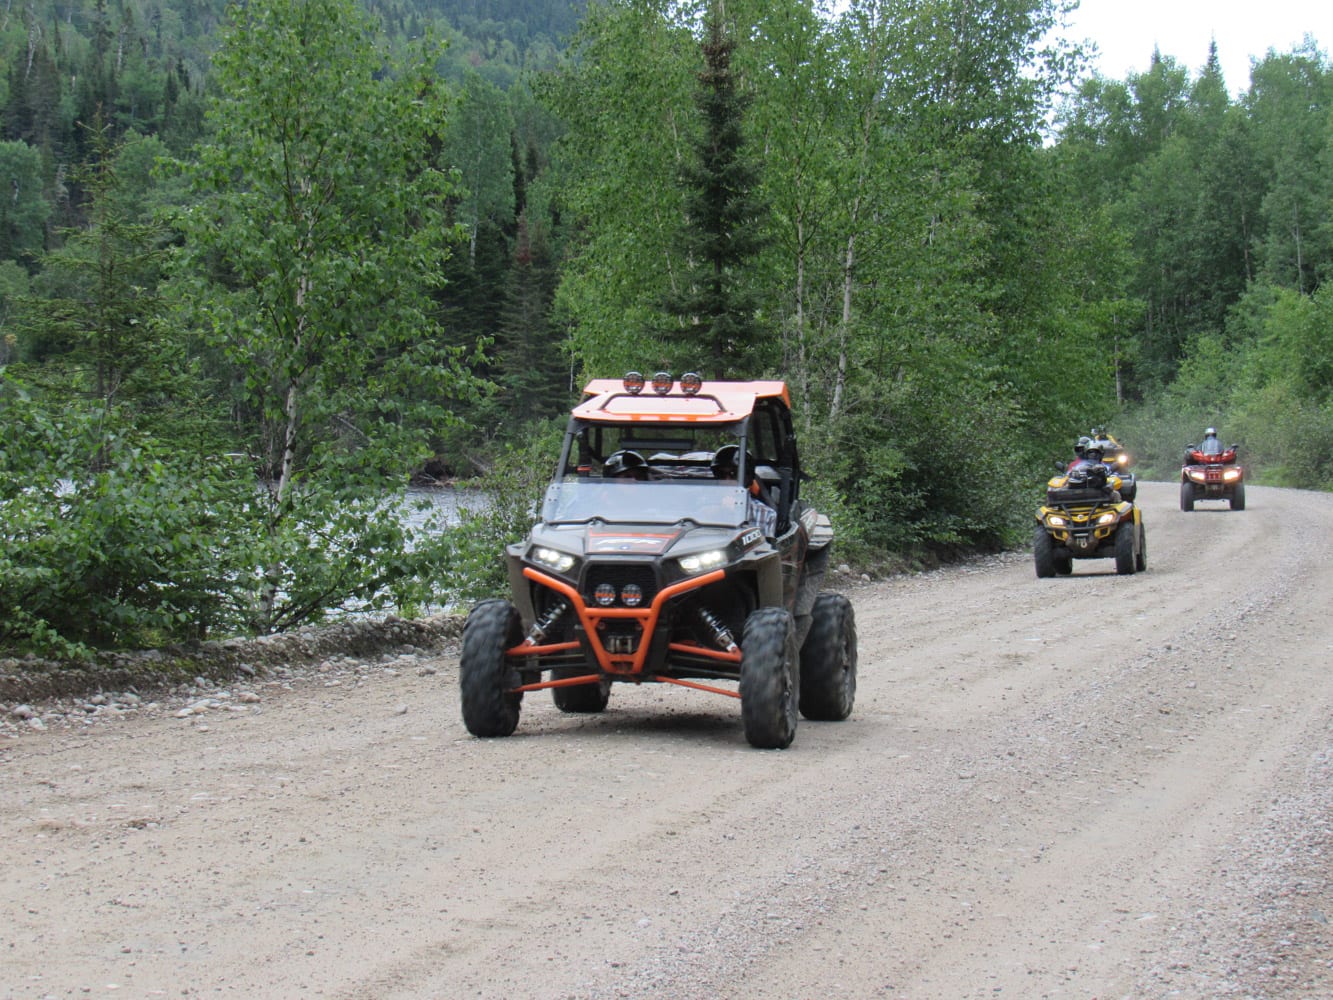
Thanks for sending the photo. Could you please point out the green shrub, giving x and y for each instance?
(464, 563)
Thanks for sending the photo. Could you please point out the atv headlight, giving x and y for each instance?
(1055, 521)
(1199, 477)
(1231, 475)
(561, 562)
(702, 562)
(1107, 518)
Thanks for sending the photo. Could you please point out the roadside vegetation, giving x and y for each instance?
(263, 264)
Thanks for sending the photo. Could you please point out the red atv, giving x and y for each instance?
(1211, 472)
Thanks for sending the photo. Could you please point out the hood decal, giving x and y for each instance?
(646, 542)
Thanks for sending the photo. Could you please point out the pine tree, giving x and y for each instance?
(532, 362)
(716, 308)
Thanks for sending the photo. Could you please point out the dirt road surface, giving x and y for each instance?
(1087, 787)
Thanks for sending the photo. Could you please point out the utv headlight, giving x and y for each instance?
(561, 562)
(702, 562)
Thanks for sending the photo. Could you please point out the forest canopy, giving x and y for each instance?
(393, 243)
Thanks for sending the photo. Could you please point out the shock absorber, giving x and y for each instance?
(545, 621)
(721, 634)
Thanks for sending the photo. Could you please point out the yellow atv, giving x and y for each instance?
(1086, 517)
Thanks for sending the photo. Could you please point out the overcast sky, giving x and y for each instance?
(1126, 32)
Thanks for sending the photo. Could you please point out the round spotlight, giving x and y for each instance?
(633, 383)
(604, 595)
(662, 383)
(690, 383)
(631, 595)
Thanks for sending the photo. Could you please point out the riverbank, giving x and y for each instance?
(31, 679)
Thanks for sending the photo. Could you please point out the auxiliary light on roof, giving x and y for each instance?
(690, 383)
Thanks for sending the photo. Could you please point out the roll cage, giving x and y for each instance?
(678, 432)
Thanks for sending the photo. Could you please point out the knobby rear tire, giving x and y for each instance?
(585, 699)
(828, 660)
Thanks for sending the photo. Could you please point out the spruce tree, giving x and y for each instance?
(717, 329)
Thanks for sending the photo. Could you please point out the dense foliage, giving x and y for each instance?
(1226, 211)
(261, 263)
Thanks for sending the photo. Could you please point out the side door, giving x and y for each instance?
(773, 441)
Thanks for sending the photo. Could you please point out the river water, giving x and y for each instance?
(424, 505)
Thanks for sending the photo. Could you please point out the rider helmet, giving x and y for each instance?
(1081, 444)
(1094, 450)
(1211, 432)
(726, 462)
(625, 463)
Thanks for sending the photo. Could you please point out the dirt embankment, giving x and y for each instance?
(31, 679)
(1087, 787)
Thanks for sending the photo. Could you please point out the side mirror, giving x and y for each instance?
(1190, 447)
(1059, 466)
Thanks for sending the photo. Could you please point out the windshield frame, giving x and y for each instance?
(578, 499)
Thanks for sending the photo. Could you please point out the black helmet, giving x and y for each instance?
(623, 463)
(726, 462)
(1081, 444)
(1094, 450)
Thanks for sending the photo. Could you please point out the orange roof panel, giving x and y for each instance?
(606, 400)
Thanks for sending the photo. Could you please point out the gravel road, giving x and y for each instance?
(1087, 787)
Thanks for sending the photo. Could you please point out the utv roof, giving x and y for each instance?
(614, 401)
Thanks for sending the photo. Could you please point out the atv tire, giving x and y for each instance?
(828, 660)
(1141, 560)
(1043, 553)
(484, 673)
(586, 699)
(1124, 548)
(1186, 496)
(1238, 498)
(1129, 489)
(1064, 562)
(768, 685)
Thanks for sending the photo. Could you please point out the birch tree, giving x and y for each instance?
(321, 233)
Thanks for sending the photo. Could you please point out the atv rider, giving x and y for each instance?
(1079, 447)
(1210, 444)
(759, 503)
(1091, 471)
(625, 464)
(726, 465)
